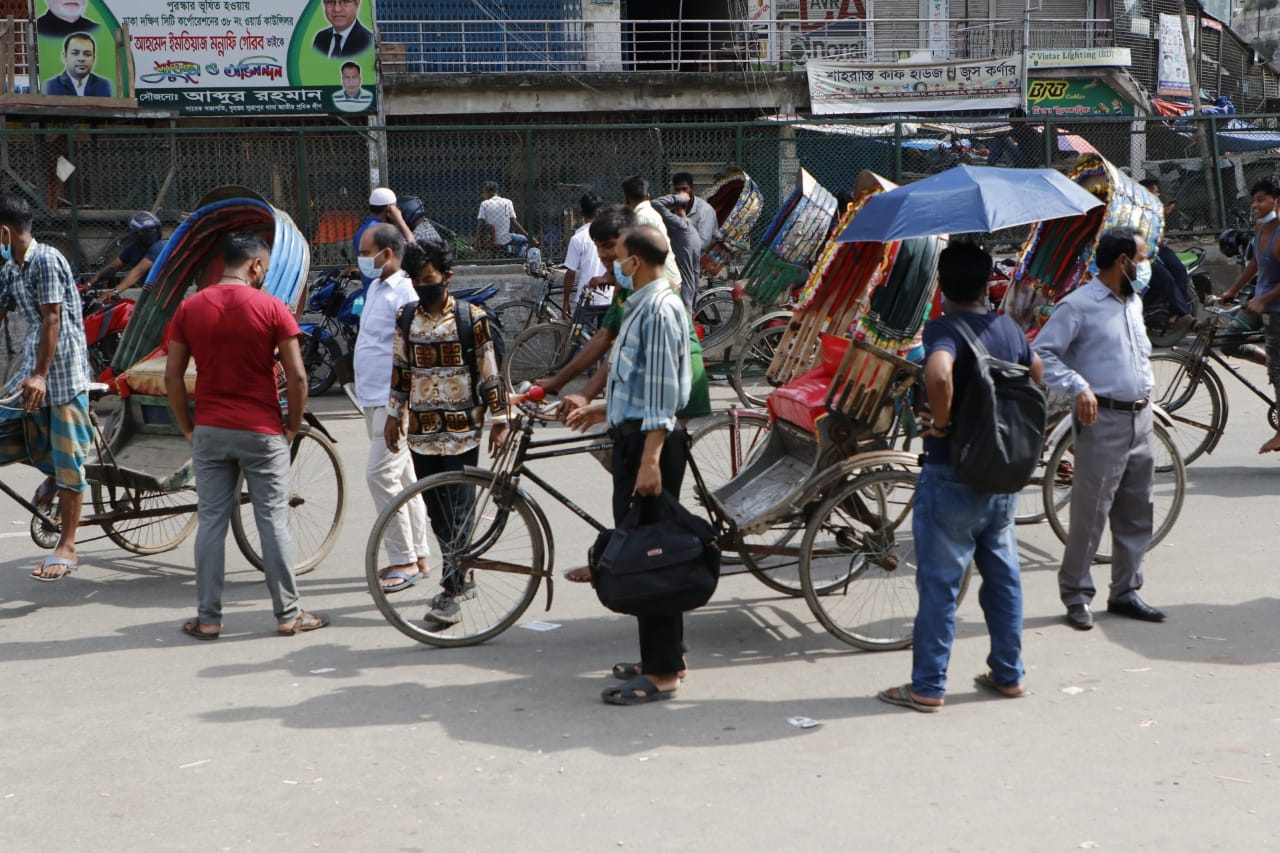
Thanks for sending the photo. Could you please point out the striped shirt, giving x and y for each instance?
(430, 377)
(649, 368)
(44, 277)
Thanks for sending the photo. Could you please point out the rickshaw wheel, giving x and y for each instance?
(858, 562)
(45, 533)
(152, 534)
(317, 502)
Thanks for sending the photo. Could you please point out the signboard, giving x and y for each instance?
(1075, 98)
(237, 57)
(847, 87)
(1079, 57)
(1173, 77)
(76, 49)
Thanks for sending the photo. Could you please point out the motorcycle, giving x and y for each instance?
(104, 323)
(330, 327)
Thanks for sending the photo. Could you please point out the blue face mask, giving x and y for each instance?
(6, 250)
(624, 281)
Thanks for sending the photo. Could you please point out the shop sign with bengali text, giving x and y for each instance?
(222, 57)
(1065, 98)
(1080, 57)
(847, 87)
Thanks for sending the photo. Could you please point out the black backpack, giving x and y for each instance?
(997, 436)
(466, 333)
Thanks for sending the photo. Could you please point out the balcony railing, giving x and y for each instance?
(573, 46)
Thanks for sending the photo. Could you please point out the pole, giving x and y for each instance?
(1026, 52)
(1202, 140)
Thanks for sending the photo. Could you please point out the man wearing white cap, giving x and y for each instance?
(382, 209)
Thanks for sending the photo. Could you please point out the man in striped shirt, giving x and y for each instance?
(649, 381)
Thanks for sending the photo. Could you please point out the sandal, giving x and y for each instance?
(637, 691)
(1008, 691)
(304, 621)
(407, 579)
(50, 562)
(192, 629)
(901, 696)
(628, 671)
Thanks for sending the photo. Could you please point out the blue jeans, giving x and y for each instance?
(953, 524)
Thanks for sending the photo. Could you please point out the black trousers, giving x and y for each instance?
(448, 508)
(661, 637)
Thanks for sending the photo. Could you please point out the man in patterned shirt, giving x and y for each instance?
(45, 421)
(442, 384)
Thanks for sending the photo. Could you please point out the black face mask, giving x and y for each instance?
(430, 294)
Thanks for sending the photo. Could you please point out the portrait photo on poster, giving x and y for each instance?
(345, 36)
(352, 97)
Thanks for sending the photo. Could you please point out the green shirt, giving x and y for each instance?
(699, 389)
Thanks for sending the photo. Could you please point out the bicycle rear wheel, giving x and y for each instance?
(151, 534)
(748, 377)
(317, 503)
(1197, 406)
(716, 313)
(537, 352)
(496, 543)
(1168, 489)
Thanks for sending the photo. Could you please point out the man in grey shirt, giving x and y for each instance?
(686, 242)
(1095, 348)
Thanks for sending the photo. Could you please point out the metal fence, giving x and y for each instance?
(320, 174)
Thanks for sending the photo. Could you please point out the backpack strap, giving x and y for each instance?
(467, 337)
(967, 333)
(405, 320)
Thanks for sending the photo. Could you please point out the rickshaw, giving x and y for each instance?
(140, 474)
(821, 509)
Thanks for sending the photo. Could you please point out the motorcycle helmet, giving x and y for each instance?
(412, 209)
(145, 227)
(1232, 241)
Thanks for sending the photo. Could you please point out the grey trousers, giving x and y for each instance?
(219, 455)
(1114, 466)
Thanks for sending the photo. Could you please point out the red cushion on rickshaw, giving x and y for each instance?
(833, 349)
(802, 400)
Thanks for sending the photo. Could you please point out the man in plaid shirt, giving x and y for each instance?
(44, 420)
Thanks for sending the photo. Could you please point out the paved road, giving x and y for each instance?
(122, 734)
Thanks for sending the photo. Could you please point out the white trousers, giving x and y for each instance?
(387, 474)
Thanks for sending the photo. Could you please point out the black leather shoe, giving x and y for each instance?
(1135, 608)
(1079, 617)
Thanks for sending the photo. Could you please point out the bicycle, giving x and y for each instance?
(545, 348)
(1191, 391)
(522, 313)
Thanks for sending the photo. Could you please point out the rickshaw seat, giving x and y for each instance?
(804, 399)
(147, 377)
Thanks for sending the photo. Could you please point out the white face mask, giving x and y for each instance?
(368, 266)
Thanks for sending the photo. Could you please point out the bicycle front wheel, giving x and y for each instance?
(488, 542)
(1197, 406)
(317, 503)
(1168, 489)
(537, 352)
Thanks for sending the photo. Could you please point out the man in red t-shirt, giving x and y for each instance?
(232, 329)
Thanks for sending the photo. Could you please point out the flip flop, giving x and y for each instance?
(901, 696)
(192, 629)
(637, 691)
(50, 561)
(986, 682)
(407, 579)
(304, 621)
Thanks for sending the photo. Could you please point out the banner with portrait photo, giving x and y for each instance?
(247, 57)
(76, 49)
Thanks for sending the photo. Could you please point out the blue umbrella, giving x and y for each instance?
(968, 199)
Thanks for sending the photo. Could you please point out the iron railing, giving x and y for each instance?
(584, 46)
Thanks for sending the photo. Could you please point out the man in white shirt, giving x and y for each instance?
(387, 472)
(635, 191)
(499, 214)
(583, 268)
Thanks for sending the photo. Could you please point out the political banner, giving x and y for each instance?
(1173, 77)
(860, 88)
(224, 57)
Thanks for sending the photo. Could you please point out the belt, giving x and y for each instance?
(1122, 406)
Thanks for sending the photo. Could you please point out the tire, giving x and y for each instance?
(718, 313)
(537, 352)
(503, 532)
(47, 533)
(149, 535)
(519, 315)
(1168, 491)
(755, 356)
(1196, 406)
(319, 356)
(858, 561)
(317, 503)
